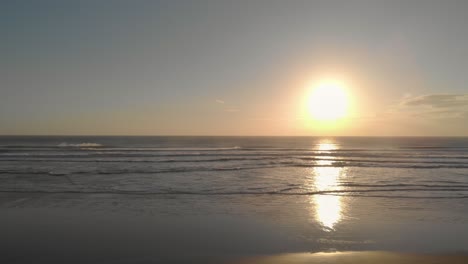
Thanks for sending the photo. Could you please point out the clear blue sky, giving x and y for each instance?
(231, 67)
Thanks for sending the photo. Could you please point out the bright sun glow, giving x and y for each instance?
(328, 101)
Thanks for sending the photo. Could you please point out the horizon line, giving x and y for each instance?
(162, 135)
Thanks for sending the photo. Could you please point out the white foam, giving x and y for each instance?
(80, 145)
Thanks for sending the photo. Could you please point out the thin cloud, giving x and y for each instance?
(438, 100)
(219, 101)
(437, 106)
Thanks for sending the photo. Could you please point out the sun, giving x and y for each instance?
(328, 101)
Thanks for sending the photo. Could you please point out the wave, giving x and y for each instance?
(152, 170)
(45, 147)
(79, 157)
(79, 145)
(435, 147)
(81, 152)
(113, 148)
(349, 193)
(403, 185)
(246, 150)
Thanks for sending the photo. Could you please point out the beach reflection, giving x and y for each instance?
(328, 208)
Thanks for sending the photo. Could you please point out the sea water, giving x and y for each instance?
(246, 195)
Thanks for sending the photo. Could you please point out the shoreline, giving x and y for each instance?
(351, 257)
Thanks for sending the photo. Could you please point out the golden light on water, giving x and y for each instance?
(326, 146)
(328, 101)
(328, 209)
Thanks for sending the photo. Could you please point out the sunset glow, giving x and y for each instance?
(243, 132)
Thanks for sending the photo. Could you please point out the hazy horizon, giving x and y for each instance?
(234, 68)
(227, 136)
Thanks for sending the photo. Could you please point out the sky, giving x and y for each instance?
(232, 67)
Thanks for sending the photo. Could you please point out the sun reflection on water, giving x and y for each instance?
(328, 208)
(326, 146)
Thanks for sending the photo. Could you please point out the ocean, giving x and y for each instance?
(234, 195)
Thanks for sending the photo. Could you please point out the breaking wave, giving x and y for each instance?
(79, 145)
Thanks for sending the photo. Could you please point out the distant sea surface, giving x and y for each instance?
(384, 167)
(316, 193)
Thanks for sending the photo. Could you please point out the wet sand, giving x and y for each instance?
(365, 257)
(91, 228)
